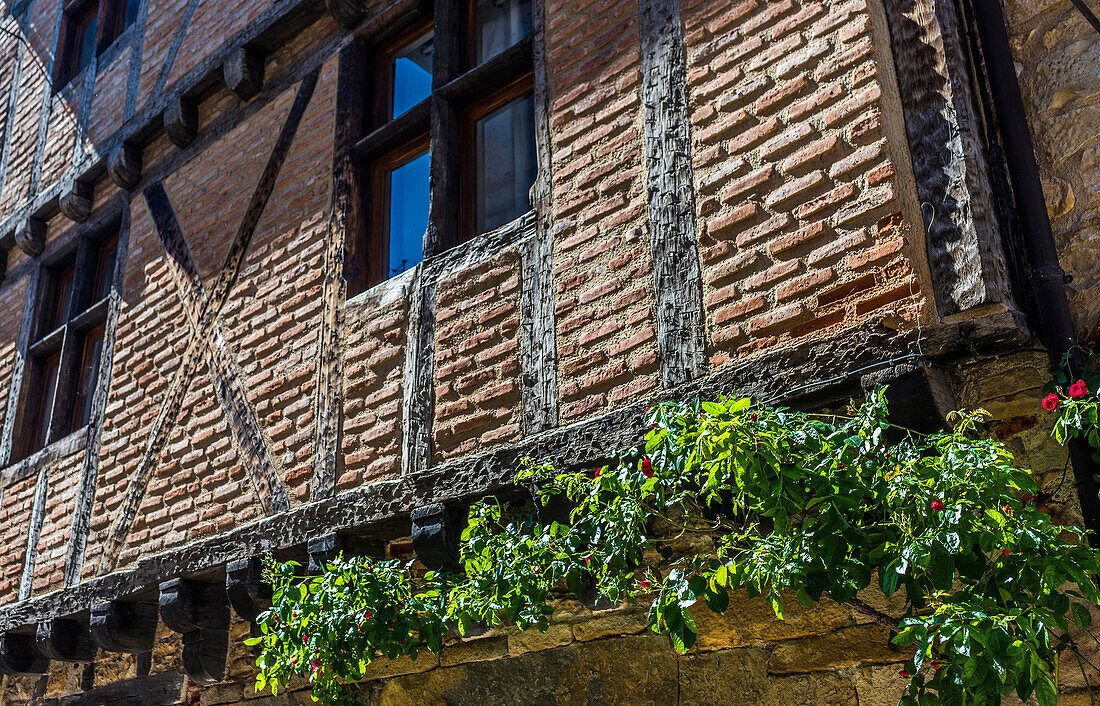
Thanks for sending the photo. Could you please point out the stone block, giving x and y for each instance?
(611, 624)
(740, 676)
(752, 620)
(862, 644)
(474, 651)
(533, 640)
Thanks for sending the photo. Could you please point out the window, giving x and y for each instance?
(67, 336)
(467, 95)
(88, 29)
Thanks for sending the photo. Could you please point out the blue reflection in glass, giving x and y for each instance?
(412, 74)
(408, 214)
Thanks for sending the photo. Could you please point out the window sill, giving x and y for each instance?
(74, 442)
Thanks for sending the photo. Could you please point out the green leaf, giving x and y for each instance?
(1081, 616)
(1045, 691)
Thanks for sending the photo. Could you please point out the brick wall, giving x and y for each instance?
(11, 319)
(799, 219)
(477, 357)
(57, 519)
(15, 520)
(374, 363)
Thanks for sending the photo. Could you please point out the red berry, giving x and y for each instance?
(1007, 509)
(936, 665)
(903, 673)
(1005, 552)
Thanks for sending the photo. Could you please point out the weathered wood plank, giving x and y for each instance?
(670, 188)
(965, 252)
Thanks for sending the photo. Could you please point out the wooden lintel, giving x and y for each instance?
(347, 13)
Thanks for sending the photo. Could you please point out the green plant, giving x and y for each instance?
(816, 506)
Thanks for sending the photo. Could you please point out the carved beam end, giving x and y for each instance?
(65, 640)
(181, 121)
(19, 656)
(124, 627)
(244, 72)
(248, 593)
(124, 165)
(347, 13)
(76, 200)
(436, 530)
(200, 612)
(31, 239)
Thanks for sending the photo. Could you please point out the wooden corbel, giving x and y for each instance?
(248, 593)
(76, 200)
(117, 626)
(324, 548)
(243, 72)
(19, 656)
(200, 612)
(124, 165)
(65, 640)
(31, 238)
(181, 121)
(919, 397)
(347, 13)
(436, 530)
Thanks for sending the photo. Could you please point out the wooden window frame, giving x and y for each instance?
(378, 244)
(517, 89)
(110, 24)
(67, 339)
(458, 91)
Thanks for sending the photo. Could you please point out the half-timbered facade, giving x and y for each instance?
(306, 276)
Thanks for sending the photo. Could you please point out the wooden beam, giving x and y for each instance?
(385, 505)
(200, 612)
(681, 336)
(244, 72)
(65, 640)
(122, 626)
(124, 165)
(181, 121)
(347, 13)
(31, 238)
(76, 200)
(962, 232)
(19, 656)
(248, 593)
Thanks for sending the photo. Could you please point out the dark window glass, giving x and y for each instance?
(105, 269)
(412, 73)
(408, 213)
(132, 7)
(506, 163)
(84, 49)
(47, 386)
(498, 24)
(57, 304)
(87, 375)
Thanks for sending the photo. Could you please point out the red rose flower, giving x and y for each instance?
(937, 506)
(904, 674)
(1050, 402)
(936, 665)
(1078, 389)
(644, 584)
(1007, 509)
(1005, 552)
(753, 416)
(647, 468)
(597, 474)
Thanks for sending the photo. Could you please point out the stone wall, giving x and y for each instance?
(1058, 66)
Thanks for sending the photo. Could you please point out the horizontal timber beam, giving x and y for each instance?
(834, 362)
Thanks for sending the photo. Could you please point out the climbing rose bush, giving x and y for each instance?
(816, 507)
(1077, 414)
